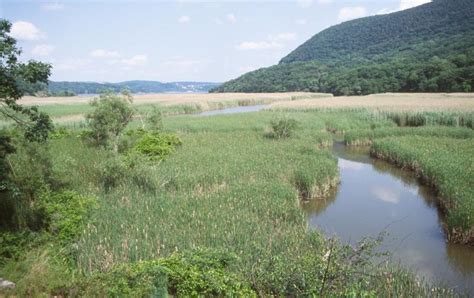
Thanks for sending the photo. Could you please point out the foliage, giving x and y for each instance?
(370, 55)
(380, 36)
(111, 115)
(66, 213)
(146, 279)
(154, 119)
(13, 76)
(31, 174)
(192, 274)
(157, 145)
(203, 273)
(446, 164)
(282, 127)
(14, 245)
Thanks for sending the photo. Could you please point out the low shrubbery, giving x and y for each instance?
(282, 127)
(156, 145)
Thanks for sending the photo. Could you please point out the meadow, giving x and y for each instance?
(221, 214)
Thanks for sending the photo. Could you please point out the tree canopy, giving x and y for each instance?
(14, 75)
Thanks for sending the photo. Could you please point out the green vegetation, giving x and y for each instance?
(282, 128)
(226, 188)
(367, 136)
(446, 164)
(378, 54)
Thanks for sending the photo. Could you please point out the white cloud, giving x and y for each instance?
(42, 50)
(52, 6)
(350, 165)
(101, 53)
(135, 60)
(184, 19)
(324, 1)
(301, 21)
(231, 18)
(386, 195)
(349, 13)
(272, 42)
(22, 30)
(405, 4)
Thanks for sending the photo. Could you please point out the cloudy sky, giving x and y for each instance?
(180, 40)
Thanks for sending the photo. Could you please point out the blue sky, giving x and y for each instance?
(180, 40)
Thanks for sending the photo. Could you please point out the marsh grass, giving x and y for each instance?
(227, 188)
(367, 136)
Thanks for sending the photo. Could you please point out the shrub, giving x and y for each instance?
(145, 279)
(154, 119)
(156, 146)
(65, 213)
(283, 127)
(107, 122)
(192, 274)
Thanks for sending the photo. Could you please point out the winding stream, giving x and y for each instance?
(374, 196)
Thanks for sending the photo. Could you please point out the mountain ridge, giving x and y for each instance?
(428, 48)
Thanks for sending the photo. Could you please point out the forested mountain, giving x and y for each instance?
(70, 88)
(426, 48)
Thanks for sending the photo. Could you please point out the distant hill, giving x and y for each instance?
(69, 88)
(426, 48)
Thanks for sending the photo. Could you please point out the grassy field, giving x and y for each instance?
(222, 215)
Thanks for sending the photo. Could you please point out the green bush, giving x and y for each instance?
(156, 145)
(66, 212)
(193, 274)
(145, 279)
(282, 128)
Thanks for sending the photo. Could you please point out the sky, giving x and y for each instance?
(174, 40)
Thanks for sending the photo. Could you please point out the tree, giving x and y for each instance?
(13, 76)
(16, 78)
(111, 115)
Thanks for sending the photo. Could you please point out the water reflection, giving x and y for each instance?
(235, 110)
(374, 195)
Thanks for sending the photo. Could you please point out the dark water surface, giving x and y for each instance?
(374, 196)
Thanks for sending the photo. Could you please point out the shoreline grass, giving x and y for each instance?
(367, 136)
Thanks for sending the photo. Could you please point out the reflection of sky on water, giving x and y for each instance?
(374, 196)
(385, 194)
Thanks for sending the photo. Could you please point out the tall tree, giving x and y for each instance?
(14, 75)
